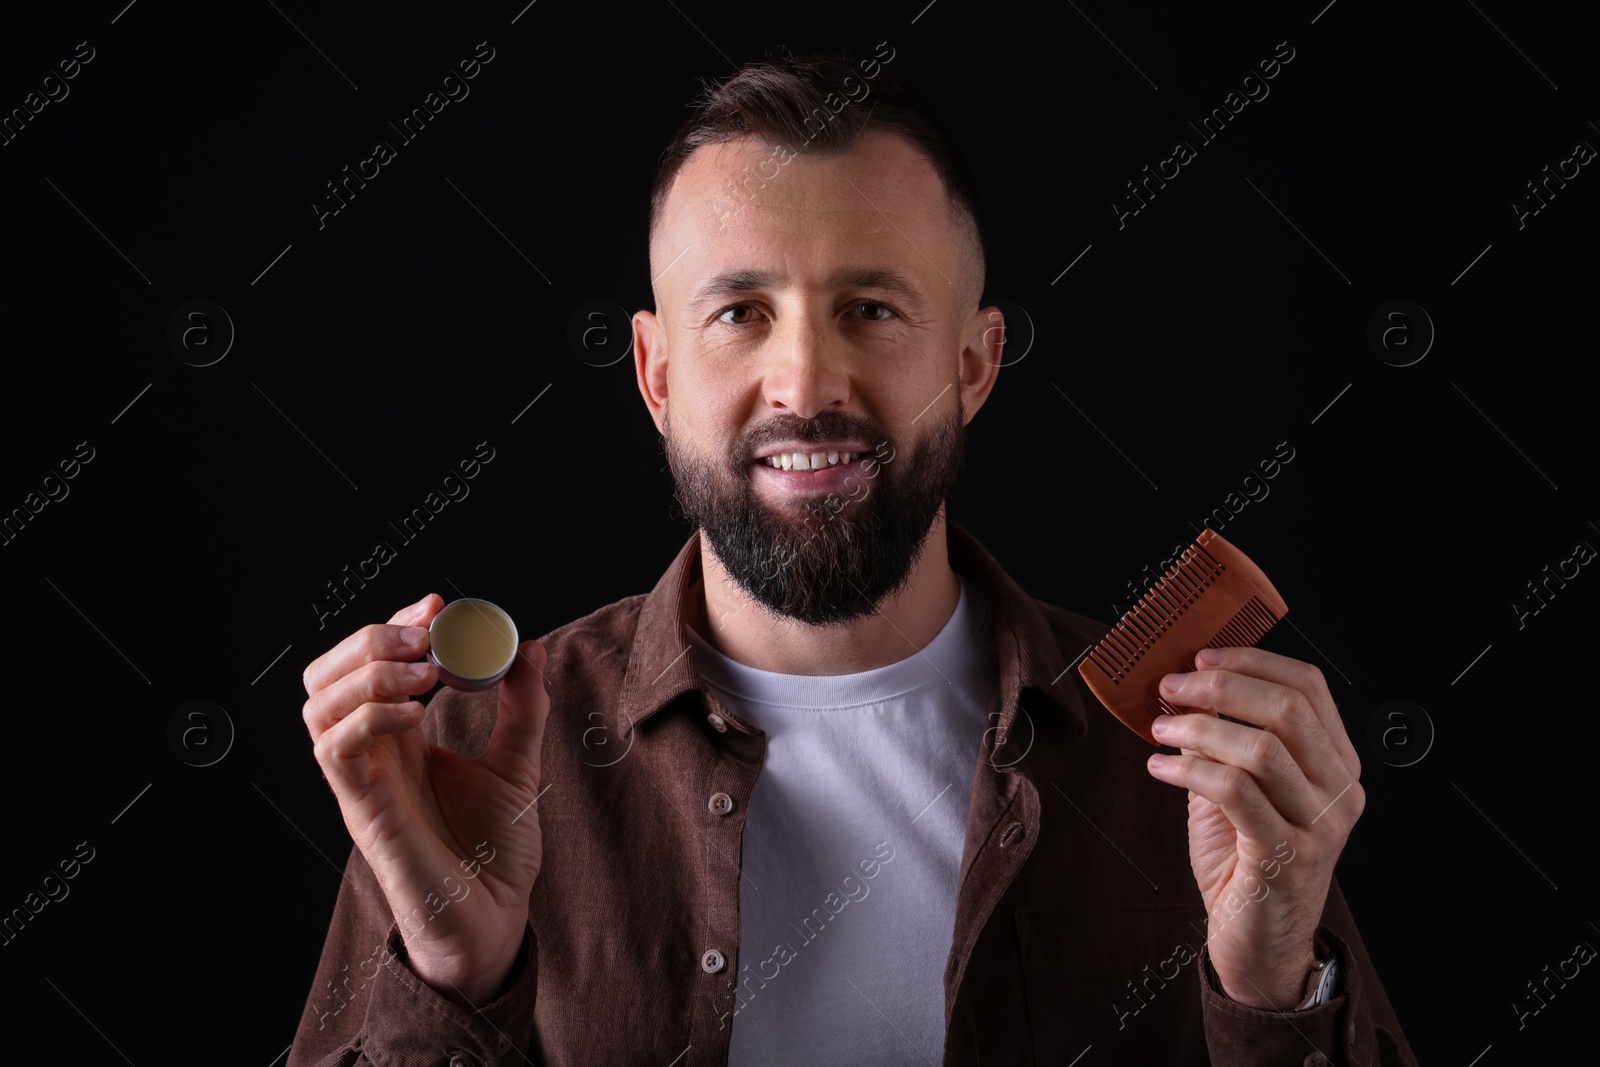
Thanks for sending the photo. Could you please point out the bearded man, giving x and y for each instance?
(831, 791)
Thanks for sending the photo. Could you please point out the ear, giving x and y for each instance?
(980, 357)
(650, 363)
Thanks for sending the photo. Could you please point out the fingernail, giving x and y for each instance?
(412, 636)
(1157, 760)
(1209, 656)
(1161, 726)
(418, 669)
(1172, 684)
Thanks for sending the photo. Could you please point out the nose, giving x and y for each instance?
(808, 369)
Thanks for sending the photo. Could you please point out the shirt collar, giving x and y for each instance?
(660, 669)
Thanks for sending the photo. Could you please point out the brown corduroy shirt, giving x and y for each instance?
(1078, 924)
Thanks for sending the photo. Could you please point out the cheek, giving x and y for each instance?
(921, 404)
(716, 405)
(705, 433)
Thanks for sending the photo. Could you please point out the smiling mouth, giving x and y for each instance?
(801, 462)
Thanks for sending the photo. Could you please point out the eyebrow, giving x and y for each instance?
(734, 282)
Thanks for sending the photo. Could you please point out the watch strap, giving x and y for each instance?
(1326, 981)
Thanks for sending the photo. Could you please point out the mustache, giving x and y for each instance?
(824, 426)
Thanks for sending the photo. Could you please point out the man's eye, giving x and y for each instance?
(737, 309)
(872, 307)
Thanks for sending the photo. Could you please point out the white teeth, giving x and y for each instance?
(809, 460)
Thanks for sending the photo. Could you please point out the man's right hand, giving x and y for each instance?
(454, 842)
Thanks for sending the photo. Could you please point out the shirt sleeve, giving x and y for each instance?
(368, 1007)
(1356, 1027)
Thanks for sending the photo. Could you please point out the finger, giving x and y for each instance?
(1231, 789)
(375, 641)
(1278, 708)
(380, 681)
(1296, 674)
(412, 614)
(1259, 753)
(343, 750)
(524, 708)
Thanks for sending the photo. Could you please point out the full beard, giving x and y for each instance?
(822, 560)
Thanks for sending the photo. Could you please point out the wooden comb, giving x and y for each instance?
(1213, 597)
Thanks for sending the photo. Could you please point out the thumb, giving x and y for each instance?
(519, 723)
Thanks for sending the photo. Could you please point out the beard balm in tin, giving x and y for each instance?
(473, 643)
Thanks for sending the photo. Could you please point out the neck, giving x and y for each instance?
(744, 630)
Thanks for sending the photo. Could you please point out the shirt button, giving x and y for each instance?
(503, 1044)
(718, 723)
(461, 1059)
(1316, 1059)
(720, 803)
(712, 961)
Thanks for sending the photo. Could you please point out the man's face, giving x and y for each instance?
(808, 304)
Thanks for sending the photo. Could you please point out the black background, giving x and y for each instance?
(378, 350)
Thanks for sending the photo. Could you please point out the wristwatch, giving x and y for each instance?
(1325, 981)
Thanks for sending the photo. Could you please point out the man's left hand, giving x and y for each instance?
(1269, 811)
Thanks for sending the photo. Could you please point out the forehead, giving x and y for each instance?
(742, 201)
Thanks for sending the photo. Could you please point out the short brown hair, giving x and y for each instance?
(780, 100)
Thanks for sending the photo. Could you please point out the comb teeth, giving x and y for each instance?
(1180, 587)
(1243, 630)
(1247, 627)
(1213, 597)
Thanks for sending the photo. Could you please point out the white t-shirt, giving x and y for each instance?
(852, 847)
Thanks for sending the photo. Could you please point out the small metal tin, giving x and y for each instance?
(461, 627)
